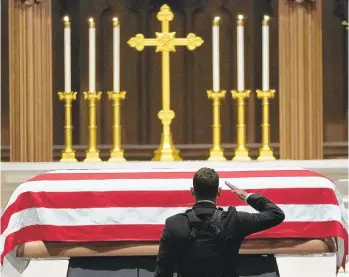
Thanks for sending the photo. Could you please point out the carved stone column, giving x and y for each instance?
(300, 80)
(30, 84)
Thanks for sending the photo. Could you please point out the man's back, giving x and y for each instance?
(235, 226)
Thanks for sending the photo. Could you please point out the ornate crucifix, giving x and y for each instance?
(166, 42)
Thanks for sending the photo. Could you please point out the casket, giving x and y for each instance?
(91, 213)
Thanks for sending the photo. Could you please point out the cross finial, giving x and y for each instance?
(165, 14)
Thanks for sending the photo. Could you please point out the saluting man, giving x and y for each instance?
(205, 240)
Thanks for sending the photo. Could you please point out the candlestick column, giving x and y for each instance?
(265, 152)
(241, 152)
(92, 96)
(116, 96)
(68, 153)
(216, 95)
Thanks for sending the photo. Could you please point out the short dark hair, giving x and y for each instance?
(205, 183)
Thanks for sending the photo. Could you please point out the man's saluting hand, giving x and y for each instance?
(238, 192)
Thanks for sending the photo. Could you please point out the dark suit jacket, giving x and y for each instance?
(236, 225)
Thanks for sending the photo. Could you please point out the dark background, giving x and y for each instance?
(191, 73)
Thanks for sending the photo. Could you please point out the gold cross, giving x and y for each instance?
(166, 42)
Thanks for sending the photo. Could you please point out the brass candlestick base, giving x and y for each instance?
(68, 153)
(241, 152)
(166, 151)
(216, 152)
(265, 152)
(117, 153)
(92, 154)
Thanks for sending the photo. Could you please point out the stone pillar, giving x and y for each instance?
(300, 80)
(30, 84)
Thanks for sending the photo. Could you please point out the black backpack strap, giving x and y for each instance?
(193, 219)
(194, 222)
(217, 221)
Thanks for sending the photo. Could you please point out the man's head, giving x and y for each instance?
(206, 184)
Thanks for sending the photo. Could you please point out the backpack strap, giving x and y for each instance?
(193, 219)
(195, 223)
(216, 221)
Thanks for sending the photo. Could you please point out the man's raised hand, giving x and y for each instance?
(238, 192)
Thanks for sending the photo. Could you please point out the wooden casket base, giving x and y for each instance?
(40, 249)
(136, 259)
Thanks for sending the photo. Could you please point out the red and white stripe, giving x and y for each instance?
(112, 205)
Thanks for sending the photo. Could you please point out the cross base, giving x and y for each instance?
(117, 156)
(216, 155)
(68, 156)
(166, 151)
(241, 155)
(266, 154)
(92, 156)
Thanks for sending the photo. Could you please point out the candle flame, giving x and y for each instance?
(216, 20)
(115, 22)
(265, 20)
(91, 23)
(66, 21)
(240, 17)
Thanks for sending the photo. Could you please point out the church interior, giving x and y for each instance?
(308, 55)
(146, 85)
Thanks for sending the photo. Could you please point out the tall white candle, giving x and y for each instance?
(265, 53)
(92, 55)
(67, 54)
(215, 54)
(116, 55)
(240, 53)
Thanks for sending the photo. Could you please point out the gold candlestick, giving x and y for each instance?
(92, 154)
(68, 153)
(216, 152)
(265, 152)
(117, 153)
(241, 152)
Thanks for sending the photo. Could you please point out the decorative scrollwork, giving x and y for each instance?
(165, 14)
(137, 42)
(165, 42)
(193, 41)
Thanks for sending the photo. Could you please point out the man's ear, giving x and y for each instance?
(192, 191)
(219, 191)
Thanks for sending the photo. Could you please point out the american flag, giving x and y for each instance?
(124, 205)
